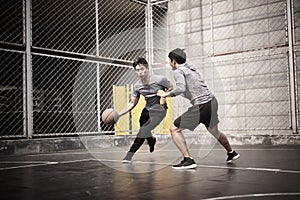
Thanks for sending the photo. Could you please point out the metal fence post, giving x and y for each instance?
(28, 73)
(98, 67)
(149, 34)
(292, 70)
(212, 41)
(211, 27)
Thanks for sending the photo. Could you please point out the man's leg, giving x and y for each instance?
(138, 142)
(148, 121)
(179, 140)
(155, 118)
(221, 137)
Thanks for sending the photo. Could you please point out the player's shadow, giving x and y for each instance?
(231, 172)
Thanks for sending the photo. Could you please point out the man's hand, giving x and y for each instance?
(161, 93)
(162, 101)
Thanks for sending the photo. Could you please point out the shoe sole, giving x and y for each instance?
(192, 166)
(126, 161)
(234, 158)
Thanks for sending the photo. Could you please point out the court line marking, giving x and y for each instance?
(27, 161)
(254, 195)
(27, 166)
(42, 163)
(252, 169)
(235, 168)
(216, 167)
(147, 151)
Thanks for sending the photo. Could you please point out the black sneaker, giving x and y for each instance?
(128, 157)
(187, 163)
(232, 156)
(152, 144)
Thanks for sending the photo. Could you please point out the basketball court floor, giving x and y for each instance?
(262, 172)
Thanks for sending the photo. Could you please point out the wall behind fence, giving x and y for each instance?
(241, 48)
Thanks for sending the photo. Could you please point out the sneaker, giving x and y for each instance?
(128, 157)
(187, 163)
(232, 156)
(152, 144)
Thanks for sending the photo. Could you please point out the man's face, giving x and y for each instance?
(141, 71)
(172, 64)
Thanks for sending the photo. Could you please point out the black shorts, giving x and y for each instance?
(205, 113)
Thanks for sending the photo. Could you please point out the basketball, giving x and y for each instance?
(110, 116)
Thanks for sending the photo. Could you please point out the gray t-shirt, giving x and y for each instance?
(190, 83)
(157, 82)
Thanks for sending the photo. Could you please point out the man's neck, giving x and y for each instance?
(146, 80)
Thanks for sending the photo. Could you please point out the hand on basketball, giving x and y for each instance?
(116, 117)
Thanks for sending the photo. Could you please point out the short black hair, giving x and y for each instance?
(178, 55)
(140, 61)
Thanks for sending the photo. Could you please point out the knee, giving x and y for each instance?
(174, 130)
(214, 131)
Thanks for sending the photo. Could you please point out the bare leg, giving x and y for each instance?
(179, 140)
(221, 137)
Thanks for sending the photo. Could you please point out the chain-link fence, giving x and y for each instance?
(82, 50)
(11, 93)
(296, 12)
(246, 47)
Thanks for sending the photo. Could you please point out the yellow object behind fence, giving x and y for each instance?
(129, 123)
(120, 99)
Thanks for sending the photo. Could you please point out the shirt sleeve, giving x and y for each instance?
(180, 83)
(135, 92)
(165, 82)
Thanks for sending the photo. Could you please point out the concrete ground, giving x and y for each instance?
(262, 172)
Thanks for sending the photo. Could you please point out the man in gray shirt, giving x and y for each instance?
(204, 108)
(155, 109)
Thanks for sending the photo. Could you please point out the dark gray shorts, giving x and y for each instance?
(205, 113)
(150, 119)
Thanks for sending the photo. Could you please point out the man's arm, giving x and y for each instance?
(163, 99)
(163, 94)
(132, 103)
(180, 86)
